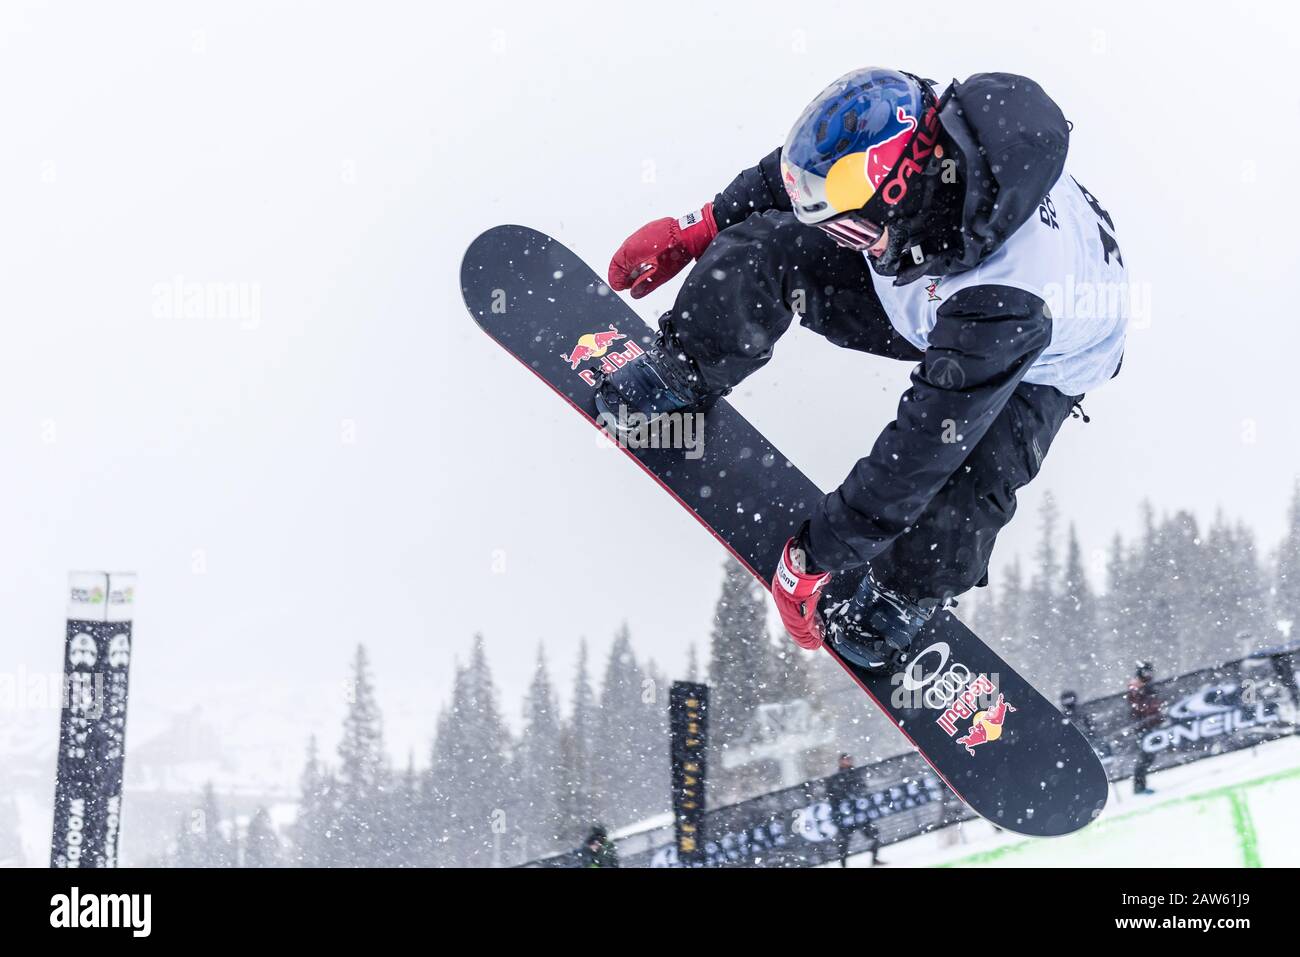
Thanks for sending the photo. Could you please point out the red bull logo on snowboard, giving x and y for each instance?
(596, 345)
(592, 346)
(958, 693)
(987, 725)
(969, 702)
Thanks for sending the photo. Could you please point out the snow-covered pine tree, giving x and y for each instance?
(261, 846)
(617, 765)
(631, 737)
(1042, 614)
(1147, 602)
(1011, 641)
(186, 850)
(1079, 630)
(791, 671)
(1239, 594)
(655, 794)
(979, 610)
(539, 769)
(1286, 596)
(310, 831)
(408, 828)
(1187, 568)
(581, 805)
(740, 669)
(470, 768)
(437, 792)
(363, 824)
(201, 841)
(1117, 611)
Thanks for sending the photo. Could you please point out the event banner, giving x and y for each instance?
(1212, 711)
(797, 826)
(1208, 712)
(688, 724)
(92, 726)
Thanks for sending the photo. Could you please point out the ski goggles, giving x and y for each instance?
(852, 230)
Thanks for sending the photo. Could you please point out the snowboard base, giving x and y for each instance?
(1001, 746)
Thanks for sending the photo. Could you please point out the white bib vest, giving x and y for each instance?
(1067, 255)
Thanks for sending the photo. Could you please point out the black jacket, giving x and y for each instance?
(1010, 141)
(840, 786)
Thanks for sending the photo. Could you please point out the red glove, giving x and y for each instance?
(797, 594)
(658, 251)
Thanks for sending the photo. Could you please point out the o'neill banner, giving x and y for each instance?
(92, 726)
(1238, 704)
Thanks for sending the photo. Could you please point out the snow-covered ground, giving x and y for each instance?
(1237, 810)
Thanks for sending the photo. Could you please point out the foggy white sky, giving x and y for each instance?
(345, 463)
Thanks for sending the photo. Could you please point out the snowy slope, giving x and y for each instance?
(1240, 809)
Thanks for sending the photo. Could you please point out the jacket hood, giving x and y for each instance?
(1011, 140)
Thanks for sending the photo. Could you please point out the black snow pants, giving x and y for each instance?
(742, 296)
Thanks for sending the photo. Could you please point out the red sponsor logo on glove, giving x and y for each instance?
(796, 594)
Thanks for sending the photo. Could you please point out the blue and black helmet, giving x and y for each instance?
(844, 145)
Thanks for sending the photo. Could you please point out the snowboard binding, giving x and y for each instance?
(636, 396)
(876, 627)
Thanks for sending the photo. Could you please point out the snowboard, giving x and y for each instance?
(1002, 747)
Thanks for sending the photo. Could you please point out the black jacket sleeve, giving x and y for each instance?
(984, 340)
(754, 190)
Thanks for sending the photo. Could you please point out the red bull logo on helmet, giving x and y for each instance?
(903, 167)
(855, 177)
(596, 345)
(883, 157)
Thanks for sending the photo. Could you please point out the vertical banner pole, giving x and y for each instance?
(92, 724)
(115, 644)
(688, 707)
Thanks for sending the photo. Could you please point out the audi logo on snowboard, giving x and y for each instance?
(959, 693)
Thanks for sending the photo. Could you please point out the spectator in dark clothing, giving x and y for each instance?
(599, 850)
(1146, 710)
(1070, 709)
(840, 790)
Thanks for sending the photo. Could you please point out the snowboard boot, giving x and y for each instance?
(875, 627)
(636, 396)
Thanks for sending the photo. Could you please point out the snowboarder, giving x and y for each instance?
(1146, 710)
(939, 229)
